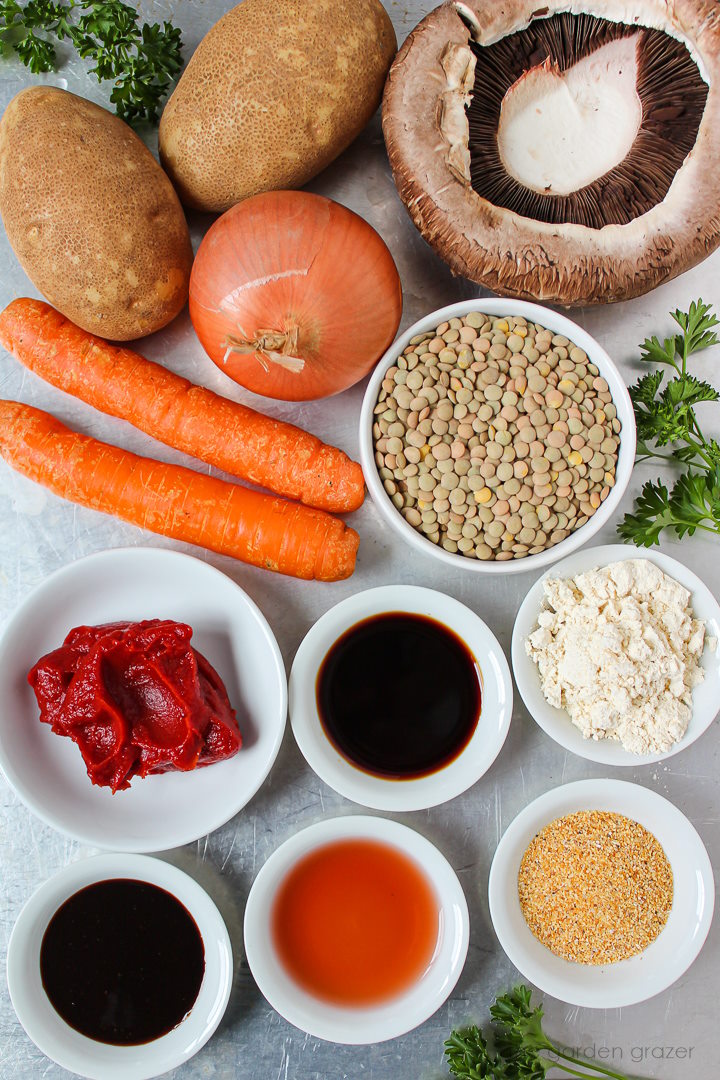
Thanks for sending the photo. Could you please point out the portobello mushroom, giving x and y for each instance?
(564, 152)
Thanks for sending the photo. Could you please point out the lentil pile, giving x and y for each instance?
(494, 437)
(595, 887)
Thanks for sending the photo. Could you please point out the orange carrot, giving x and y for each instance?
(263, 530)
(173, 410)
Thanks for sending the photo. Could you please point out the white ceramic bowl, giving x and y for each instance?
(640, 977)
(559, 324)
(157, 812)
(357, 1025)
(556, 722)
(377, 792)
(68, 1047)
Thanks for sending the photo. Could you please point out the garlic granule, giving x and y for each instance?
(619, 649)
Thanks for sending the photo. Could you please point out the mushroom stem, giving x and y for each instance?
(273, 346)
(469, 18)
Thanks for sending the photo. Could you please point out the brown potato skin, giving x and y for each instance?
(273, 93)
(91, 216)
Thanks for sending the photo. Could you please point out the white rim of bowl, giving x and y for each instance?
(389, 1019)
(551, 974)
(376, 792)
(603, 751)
(68, 1047)
(621, 399)
(26, 795)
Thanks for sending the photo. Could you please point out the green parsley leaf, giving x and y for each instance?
(468, 1057)
(658, 352)
(696, 328)
(695, 502)
(652, 515)
(36, 53)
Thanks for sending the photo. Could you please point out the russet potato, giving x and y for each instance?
(93, 219)
(273, 93)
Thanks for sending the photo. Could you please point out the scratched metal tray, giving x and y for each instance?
(672, 1035)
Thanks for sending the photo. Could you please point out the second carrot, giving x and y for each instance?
(190, 418)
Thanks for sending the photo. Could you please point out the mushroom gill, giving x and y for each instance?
(577, 119)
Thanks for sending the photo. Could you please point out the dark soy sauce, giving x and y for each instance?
(399, 695)
(122, 961)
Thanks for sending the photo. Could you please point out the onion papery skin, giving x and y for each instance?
(290, 260)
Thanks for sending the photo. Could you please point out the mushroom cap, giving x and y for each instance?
(519, 256)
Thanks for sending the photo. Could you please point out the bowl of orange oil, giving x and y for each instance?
(356, 929)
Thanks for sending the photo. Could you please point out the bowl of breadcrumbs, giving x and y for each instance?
(601, 893)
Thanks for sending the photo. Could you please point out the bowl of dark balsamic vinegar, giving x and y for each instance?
(120, 967)
(400, 698)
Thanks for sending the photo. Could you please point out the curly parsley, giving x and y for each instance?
(140, 61)
(522, 1050)
(665, 418)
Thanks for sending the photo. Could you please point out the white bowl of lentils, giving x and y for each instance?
(496, 435)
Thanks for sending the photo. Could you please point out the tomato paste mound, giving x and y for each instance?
(137, 699)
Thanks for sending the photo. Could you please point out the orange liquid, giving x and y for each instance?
(355, 922)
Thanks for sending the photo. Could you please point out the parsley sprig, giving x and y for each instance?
(665, 418)
(522, 1050)
(140, 61)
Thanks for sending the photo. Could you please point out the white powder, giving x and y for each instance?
(618, 648)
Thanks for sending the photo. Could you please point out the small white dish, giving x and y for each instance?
(627, 982)
(380, 793)
(556, 722)
(391, 1018)
(559, 324)
(157, 812)
(62, 1043)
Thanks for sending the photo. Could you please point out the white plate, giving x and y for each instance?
(640, 977)
(559, 324)
(556, 722)
(68, 1047)
(158, 812)
(357, 1025)
(377, 792)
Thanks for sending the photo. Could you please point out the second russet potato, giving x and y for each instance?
(273, 93)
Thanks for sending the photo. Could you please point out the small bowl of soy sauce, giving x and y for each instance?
(400, 698)
(120, 967)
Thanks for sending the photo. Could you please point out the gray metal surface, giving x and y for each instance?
(673, 1035)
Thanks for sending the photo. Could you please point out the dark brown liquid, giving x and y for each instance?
(399, 695)
(122, 961)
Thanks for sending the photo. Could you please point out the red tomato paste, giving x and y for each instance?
(137, 699)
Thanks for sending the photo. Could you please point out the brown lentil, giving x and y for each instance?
(480, 404)
(595, 887)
